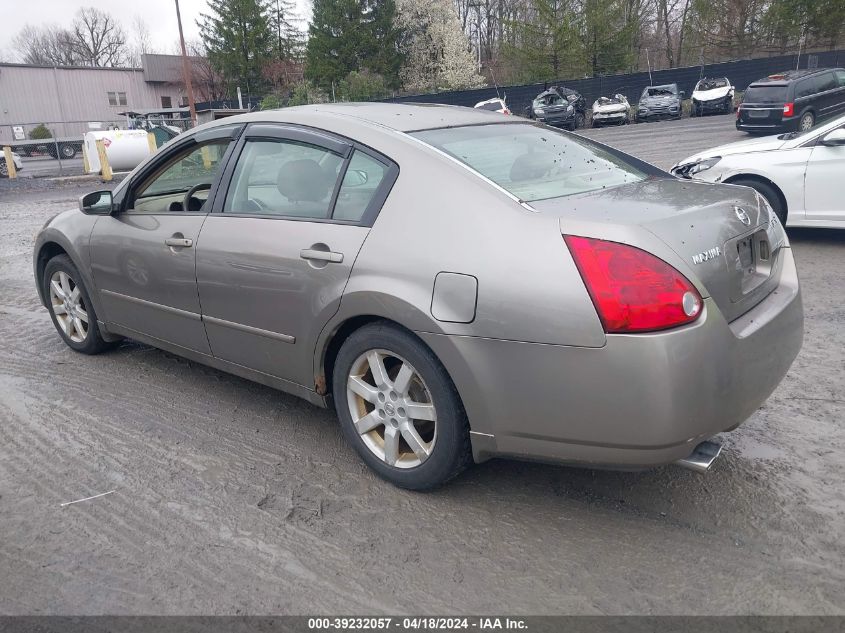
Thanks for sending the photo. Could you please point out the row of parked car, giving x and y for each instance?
(789, 101)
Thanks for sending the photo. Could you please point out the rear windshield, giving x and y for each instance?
(765, 94)
(533, 162)
(490, 106)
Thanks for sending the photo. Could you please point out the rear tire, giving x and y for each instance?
(70, 307)
(808, 120)
(377, 405)
(768, 192)
(67, 151)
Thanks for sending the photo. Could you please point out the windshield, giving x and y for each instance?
(765, 94)
(711, 84)
(533, 162)
(658, 91)
(547, 100)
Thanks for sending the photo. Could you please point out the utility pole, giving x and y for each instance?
(186, 75)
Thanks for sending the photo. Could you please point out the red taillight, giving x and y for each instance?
(788, 109)
(738, 108)
(633, 291)
(506, 111)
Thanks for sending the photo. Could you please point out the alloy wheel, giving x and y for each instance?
(391, 408)
(68, 306)
(807, 122)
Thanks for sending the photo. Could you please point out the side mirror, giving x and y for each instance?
(835, 138)
(96, 203)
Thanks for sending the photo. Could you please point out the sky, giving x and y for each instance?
(160, 16)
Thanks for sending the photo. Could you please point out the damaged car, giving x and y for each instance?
(611, 110)
(797, 173)
(658, 102)
(712, 95)
(559, 106)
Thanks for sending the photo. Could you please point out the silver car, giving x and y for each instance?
(457, 284)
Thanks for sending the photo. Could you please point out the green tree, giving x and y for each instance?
(606, 36)
(363, 86)
(546, 43)
(352, 35)
(238, 39)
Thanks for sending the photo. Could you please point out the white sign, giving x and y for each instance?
(17, 131)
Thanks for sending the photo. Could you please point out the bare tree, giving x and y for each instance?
(99, 39)
(141, 41)
(47, 45)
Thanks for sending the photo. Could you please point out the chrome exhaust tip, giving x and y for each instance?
(702, 457)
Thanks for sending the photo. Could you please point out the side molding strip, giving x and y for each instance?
(284, 338)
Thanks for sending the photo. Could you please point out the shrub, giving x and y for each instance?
(39, 132)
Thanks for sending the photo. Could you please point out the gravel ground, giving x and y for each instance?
(234, 498)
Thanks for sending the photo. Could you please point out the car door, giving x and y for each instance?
(143, 257)
(823, 198)
(277, 250)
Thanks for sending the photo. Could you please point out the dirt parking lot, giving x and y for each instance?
(234, 498)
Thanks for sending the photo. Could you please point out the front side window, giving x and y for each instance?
(191, 171)
(285, 178)
(533, 162)
(840, 77)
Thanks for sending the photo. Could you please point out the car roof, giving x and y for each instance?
(401, 117)
(788, 76)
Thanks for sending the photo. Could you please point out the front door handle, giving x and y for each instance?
(322, 256)
(179, 242)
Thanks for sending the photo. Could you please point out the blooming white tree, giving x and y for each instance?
(437, 52)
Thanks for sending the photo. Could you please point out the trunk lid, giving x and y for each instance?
(719, 236)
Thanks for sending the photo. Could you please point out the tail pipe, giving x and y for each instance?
(702, 456)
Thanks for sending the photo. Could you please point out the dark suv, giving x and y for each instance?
(559, 106)
(792, 101)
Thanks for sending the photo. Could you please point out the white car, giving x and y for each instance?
(797, 173)
(494, 105)
(712, 95)
(4, 171)
(611, 110)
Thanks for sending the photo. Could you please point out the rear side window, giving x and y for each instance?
(840, 77)
(533, 162)
(360, 183)
(284, 178)
(825, 82)
(765, 94)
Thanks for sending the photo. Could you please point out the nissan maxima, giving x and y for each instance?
(458, 285)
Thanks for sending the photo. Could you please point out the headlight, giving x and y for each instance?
(569, 108)
(702, 165)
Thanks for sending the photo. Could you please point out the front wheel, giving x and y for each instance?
(399, 409)
(70, 307)
(67, 151)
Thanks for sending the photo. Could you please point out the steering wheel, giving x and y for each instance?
(190, 193)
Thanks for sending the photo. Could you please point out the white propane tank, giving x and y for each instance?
(125, 149)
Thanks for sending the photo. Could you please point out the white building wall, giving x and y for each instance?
(68, 99)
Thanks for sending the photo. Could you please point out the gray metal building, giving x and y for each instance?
(73, 100)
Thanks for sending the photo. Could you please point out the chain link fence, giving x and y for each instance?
(54, 148)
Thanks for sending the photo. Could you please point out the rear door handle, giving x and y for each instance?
(322, 256)
(179, 242)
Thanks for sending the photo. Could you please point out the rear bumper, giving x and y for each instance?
(786, 124)
(639, 401)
